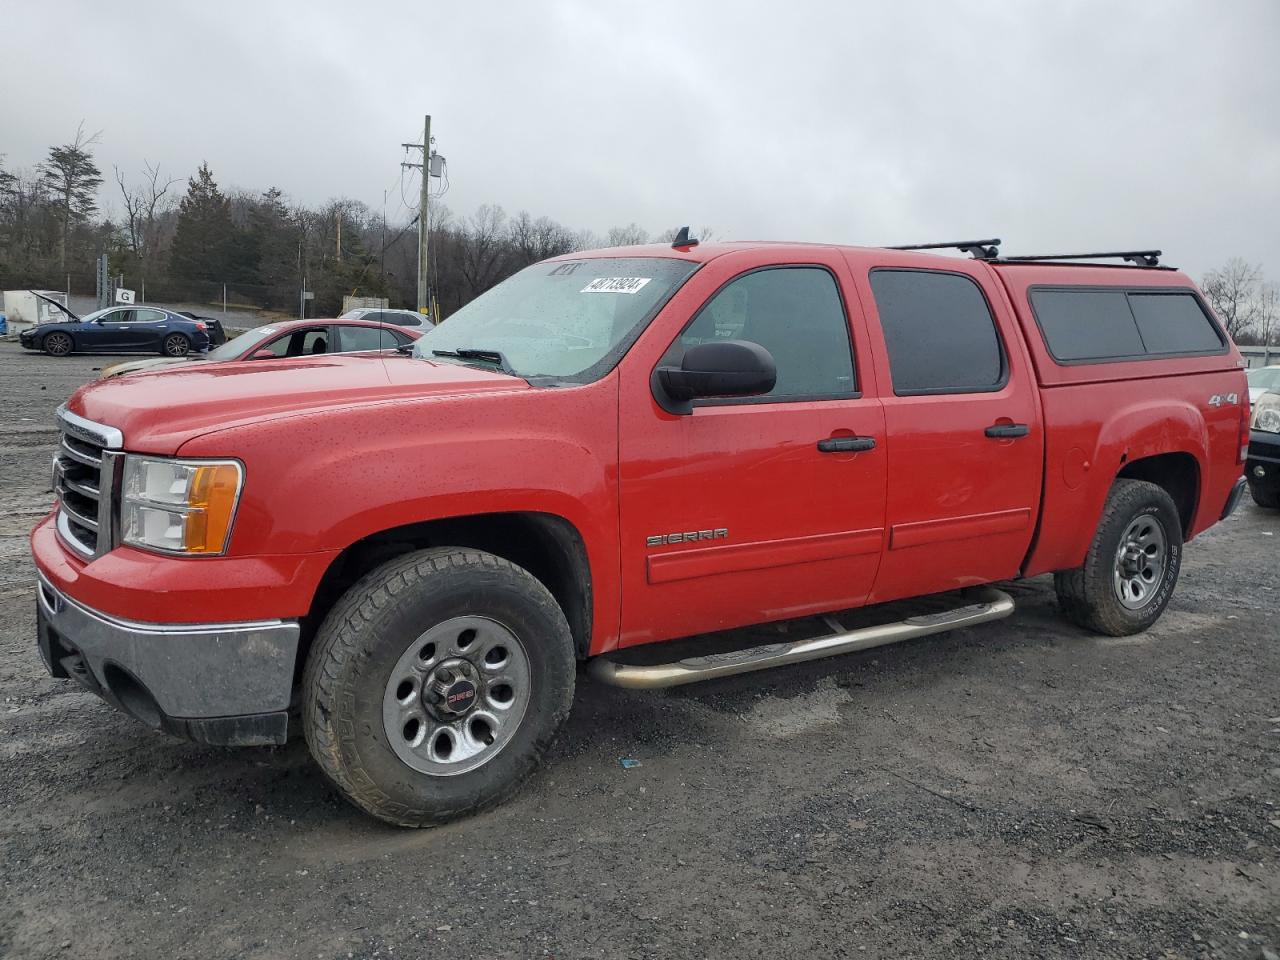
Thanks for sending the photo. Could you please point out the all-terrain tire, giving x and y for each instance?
(1266, 496)
(368, 633)
(1088, 595)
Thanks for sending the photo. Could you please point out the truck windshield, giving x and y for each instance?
(567, 319)
(237, 347)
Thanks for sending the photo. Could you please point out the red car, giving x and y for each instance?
(293, 338)
(613, 449)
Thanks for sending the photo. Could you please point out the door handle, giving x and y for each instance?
(1007, 431)
(846, 444)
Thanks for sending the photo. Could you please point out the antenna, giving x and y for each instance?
(978, 249)
(684, 240)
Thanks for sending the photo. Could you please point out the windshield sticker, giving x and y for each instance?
(616, 285)
(565, 269)
(266, 330)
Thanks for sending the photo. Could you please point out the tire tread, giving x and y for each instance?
(341, 638)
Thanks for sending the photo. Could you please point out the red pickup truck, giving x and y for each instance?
(617, 448)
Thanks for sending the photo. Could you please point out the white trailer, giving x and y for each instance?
(24, 310)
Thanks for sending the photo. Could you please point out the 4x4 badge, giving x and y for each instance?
(1218, 399)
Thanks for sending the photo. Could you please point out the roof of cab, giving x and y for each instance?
(1038, 271)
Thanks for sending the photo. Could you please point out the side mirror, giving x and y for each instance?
(262, 355)
(723, 368)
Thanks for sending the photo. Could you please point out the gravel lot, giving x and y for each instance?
(1020, 789)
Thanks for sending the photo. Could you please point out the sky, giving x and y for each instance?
(1056, 126)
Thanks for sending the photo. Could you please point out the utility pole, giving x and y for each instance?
(424, 220)
(424, 223)
(338, 245)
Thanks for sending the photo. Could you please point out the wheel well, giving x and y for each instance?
(549, 547)
(1177, 473)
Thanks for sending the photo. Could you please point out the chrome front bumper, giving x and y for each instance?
(216, 683)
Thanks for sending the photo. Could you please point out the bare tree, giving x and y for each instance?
(483, 249)
(533, 240)
(705, 234)
(1268, 312)
(1232, 291)
(143, 206)
(627, 236)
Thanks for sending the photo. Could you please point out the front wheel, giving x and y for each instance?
(1132, 565)
(58, 344)
(175, 345)
(436, 684)
(1265, 495)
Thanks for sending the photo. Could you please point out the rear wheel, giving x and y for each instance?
(57, 344)
(436, 684)
(175, 345)
(1265, 495)
(1132, 565)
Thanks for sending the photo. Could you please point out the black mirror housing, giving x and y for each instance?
(722, 368)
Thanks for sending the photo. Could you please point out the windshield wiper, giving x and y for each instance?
(476, 353)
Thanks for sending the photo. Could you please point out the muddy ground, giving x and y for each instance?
(1018, 789)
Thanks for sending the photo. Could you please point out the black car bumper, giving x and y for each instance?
(1263, 464)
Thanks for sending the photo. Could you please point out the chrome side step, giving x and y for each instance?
(992, 604)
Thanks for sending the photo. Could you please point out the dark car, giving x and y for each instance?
(279, 341)
(1262, 468)
(124, 329)
(217, 336)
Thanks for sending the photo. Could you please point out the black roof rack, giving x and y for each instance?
(1140, 258)
(978, 249)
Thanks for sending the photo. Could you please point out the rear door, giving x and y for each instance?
(965, 442)
(353, 339)
(745, 510)
(148, 329)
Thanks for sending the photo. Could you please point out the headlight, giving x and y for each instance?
(179, 506)
(1266, 413)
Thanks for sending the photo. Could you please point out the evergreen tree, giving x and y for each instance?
(203, 244)
(72, 179)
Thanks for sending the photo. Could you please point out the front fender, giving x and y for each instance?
(319, 482)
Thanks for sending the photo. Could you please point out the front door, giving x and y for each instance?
(752, 509)
(110, 331)
(965, 445)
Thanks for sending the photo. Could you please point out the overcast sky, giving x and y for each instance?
(1058, 126)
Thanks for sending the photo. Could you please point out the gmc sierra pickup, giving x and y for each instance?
(613, 449)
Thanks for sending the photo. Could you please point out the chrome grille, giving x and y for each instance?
(85, 467)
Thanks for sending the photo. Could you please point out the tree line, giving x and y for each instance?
(184, 245)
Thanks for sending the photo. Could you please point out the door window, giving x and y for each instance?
(365, 338)
(939, 332)
(314, 342)
(793, 312)
(148, 316)
(279, 347)
(117, 316)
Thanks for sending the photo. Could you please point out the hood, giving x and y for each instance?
(147, 363)
(161, 411)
